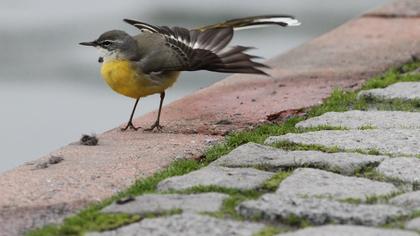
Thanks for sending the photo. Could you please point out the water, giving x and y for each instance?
(50, 88)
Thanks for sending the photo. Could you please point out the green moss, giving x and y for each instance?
(290, 146)
(91, 221)
(269, 231)
(296, 221)
(272, 184)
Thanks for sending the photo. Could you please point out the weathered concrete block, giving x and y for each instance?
(348, 230)
(358, 119)
(241, 178)
(403, 90)
(256, 155)
(389, 141)
(276, 207)
(159, 203)
(319, 183)
(406, 169)
(186, 225)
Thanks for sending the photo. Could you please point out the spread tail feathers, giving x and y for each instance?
(254, 21)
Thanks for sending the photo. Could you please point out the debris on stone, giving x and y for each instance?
(89, 140)
(55, 160)
(224, 122)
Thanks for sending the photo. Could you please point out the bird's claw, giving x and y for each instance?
(155, 125)
(129, 125)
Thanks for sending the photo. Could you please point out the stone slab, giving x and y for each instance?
(240, 178)
(413, 224)
(348, 230)
(359, 119)
(256, 155)
(312, 71)
(32, 197)
(404, 90)
(406, 169)
(161, 203)
(398, 8)
(186, 225)
(307, 182)
(277, 208)
(410, 200)
(390, 141)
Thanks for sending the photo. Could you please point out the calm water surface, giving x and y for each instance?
(50, 88)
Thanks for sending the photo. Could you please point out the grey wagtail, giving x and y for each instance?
(150, 62)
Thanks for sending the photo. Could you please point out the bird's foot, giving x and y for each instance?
(129, 125)
(155, 125)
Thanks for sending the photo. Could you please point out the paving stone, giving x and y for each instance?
(186, 225)
(277, 207)
(256, 155)
(160, 203)
(410, 200)
(348, 230)
(400, 8)
(389, 141)
(413, 224)
(406, 169)
(240, 178)
(313, 182)
(402, 90)
(358, 119)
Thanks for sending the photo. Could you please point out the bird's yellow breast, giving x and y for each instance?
(123, 78)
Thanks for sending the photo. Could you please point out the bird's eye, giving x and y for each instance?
(106, 43)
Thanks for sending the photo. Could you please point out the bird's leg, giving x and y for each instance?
(130, 122)
(156, 124)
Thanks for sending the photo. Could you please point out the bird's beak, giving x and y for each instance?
(93, 44)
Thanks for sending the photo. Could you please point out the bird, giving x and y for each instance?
(151, 61)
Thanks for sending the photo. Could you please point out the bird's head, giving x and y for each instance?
(114, 44)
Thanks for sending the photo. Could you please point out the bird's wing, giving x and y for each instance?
(184, 49)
